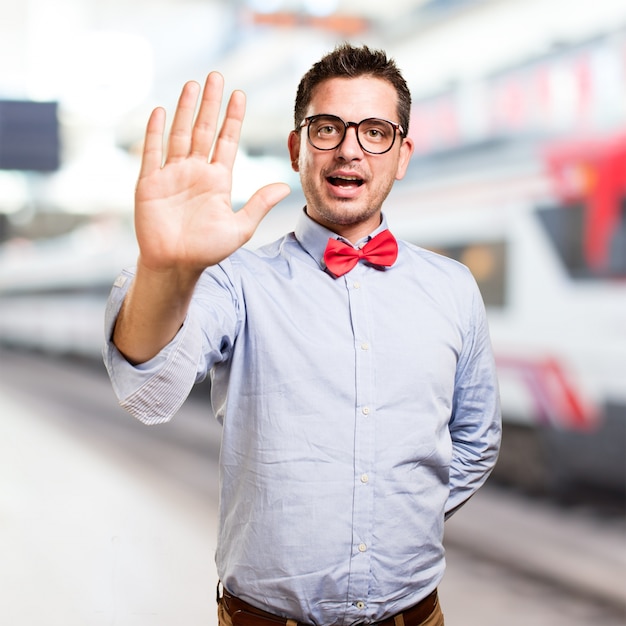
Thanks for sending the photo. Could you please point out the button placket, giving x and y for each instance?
(360, 311)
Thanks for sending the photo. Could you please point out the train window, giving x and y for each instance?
(488, 263)
(589, 246)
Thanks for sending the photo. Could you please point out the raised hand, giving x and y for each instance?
(183, 213)
(184, 219)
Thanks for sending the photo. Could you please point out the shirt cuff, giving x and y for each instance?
(152, 391)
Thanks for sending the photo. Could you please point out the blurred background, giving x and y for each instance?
(519, 121)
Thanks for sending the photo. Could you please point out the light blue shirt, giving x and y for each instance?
(356, 413)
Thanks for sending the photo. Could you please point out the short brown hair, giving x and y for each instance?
(347, 61)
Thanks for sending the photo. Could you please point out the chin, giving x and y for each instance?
(348, 216)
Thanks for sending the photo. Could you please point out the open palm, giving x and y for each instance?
(183, 212)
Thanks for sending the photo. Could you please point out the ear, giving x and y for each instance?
(406, 150)
(293, 143)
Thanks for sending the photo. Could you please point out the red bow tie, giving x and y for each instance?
(340, 257)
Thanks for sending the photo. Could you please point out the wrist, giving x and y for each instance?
(171, 280)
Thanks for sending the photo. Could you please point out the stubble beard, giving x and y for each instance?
(343, 212)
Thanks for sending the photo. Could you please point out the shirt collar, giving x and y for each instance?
(313, 237)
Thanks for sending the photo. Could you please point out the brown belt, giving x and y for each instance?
(244, 614)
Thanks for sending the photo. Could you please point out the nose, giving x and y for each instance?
(350, 148)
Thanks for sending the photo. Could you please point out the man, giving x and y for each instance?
(355, 383)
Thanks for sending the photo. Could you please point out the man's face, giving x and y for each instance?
(345, 187)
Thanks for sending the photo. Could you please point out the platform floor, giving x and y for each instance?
(90, 539)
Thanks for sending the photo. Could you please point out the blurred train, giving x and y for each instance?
(543, 229)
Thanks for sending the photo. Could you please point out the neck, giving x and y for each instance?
(351, 232)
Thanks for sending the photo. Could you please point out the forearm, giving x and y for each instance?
(475, 425)
(471, 465)
(153, 311)
(475, 431)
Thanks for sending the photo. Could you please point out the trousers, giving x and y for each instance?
(232, 611)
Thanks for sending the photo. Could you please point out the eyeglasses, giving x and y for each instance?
(326, 132)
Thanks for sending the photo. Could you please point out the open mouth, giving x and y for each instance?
(345, 182)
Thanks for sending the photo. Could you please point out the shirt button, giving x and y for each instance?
(360, 605)
(365, 346)
(365, 478)
(356, 284)
(365, 410)
(362, 547)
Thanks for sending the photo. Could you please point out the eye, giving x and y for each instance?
(376, 130)
(327, 130)
(374, 133)
(327, 127)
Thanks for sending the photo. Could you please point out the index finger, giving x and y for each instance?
(228, 140)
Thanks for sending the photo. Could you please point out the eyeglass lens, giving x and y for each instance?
(326, 132)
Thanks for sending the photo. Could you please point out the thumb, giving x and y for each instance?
(260, 204)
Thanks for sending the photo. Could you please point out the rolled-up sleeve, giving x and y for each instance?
(152, 391)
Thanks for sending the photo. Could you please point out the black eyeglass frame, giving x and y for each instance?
(397, 129)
